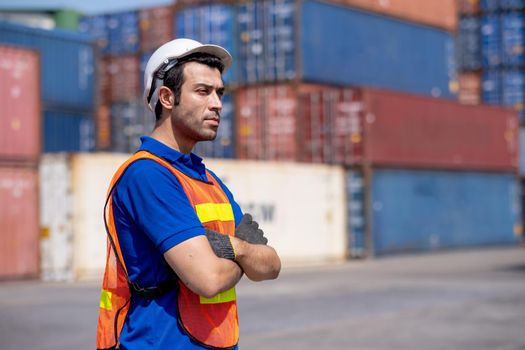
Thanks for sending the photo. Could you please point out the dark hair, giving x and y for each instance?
(175, 76)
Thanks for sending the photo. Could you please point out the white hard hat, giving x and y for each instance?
(165, 58)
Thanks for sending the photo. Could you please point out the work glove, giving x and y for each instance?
(248, 230)
(221, 244)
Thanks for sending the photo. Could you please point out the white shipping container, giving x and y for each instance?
(300, 207)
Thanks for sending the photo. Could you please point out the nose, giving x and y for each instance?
(215, 102)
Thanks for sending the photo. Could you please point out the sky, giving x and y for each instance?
(83, 6)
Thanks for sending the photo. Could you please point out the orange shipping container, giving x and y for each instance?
(436, 13)
(19, 228)
(20, 115)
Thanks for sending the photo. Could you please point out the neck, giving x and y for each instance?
(164, 133)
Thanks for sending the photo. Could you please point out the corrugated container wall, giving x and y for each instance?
(123, 33)
(156, 27)
(379, 127)
(512, 4)
(213, 24)
(19, 228)
(436, 13)
(68, 131)
(491, 87)
(491, 40)
(97, 27)
(392, 47)
(489, 5)
(513, 90)
(122, 78)
(513, 39)
(129, 121)
(224, 144)
(442, 210)
(469, 88)
(431, 133)
(67, 63)
(356, 216)
(522, 151)
(20, 115)
(468, 44)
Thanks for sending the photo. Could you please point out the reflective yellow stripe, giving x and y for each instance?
(105, 300)
(214, 212)
(224, 297)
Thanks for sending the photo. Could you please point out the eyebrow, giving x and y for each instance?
(209, 86)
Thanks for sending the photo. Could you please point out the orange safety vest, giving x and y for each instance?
(212, 322)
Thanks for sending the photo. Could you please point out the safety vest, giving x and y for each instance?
(212, 322)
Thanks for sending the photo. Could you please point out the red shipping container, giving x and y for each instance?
(20, 115)
(19, 222)
(266, 122)
(123, 74)
(468, 7)
(413, 131)
(156, 27)
(103, 87)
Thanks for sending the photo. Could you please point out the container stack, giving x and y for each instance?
(20, 119)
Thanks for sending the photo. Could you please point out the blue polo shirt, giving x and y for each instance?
(152, 214)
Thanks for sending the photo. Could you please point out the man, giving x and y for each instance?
(178, 242)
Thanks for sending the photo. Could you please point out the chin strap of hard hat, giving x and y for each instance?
(158, 79)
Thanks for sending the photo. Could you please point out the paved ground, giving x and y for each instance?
(472, 299)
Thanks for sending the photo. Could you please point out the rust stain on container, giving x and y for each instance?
(20, 116)
(19, 227)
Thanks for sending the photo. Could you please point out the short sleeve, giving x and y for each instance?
(155, 201)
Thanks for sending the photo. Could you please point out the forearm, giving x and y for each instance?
(259, 262)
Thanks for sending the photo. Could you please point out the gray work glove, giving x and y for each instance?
(248, 230)
(221, 244)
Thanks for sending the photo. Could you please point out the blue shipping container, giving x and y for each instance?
(513, 39)
(210, 24)
(468, 44)
(67, 63)
(129, 121)
(489, 5)
(355, 195)
(349, 47)
(123, 33)
(513, 87)
(491, 87)
(224, 144)
(512, 4)
(427, 210)
(68, 132)
(144, 58)
(96, 26)
(491, 40)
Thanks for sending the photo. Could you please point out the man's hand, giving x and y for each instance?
(221, 244)
(248, 230)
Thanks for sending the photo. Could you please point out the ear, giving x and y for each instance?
(166, 97)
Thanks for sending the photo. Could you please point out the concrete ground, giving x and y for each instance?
(469, 299)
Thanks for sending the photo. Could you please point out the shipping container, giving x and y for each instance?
(469, 88)
(271, 49)
(97, 27)
(224, 144)
(428, 210)
(512, 4)
(513, 39)
(156, 27)
(144, 58)
(56, 214)
(129, 121)
(122, 74)
(68, 131)
(355, 213)
(20, 115)
(469, 44)
(19, 229)
(491, 40)
(210, 24)
(123, 33)
(266, 122)
(489, 5)
(437, 13)
(513, 90)
(522, 151)
(103, 128)
(468, 7)
(67, 64)
(491, 91)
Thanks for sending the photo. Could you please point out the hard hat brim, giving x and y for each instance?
(214, 50)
